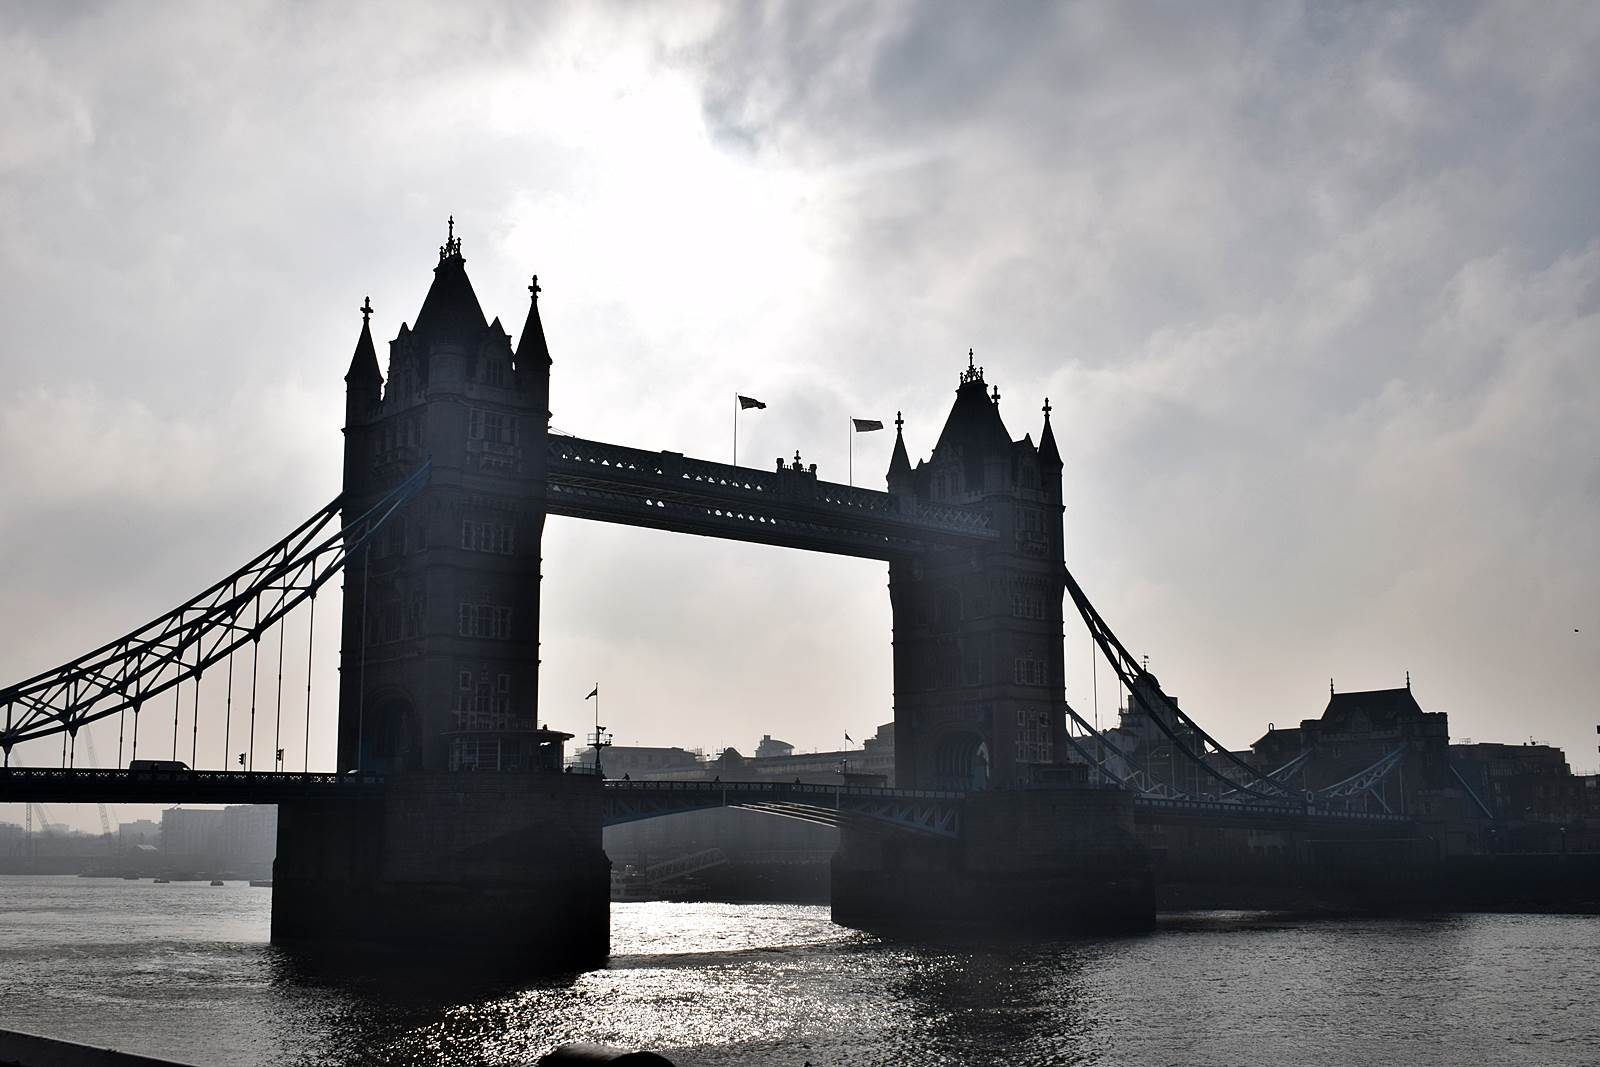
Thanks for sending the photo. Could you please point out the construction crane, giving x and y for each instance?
(105, 819)
(46, 826)
(31, 843)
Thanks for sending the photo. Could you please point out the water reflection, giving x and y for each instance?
(189, 975)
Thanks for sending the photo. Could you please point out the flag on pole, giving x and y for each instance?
(594, 692)
(748, 402)
(867, 425)
(847, 738)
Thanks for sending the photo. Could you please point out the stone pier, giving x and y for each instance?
(452, 864)
(1030, 861)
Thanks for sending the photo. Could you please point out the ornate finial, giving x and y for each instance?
(1046, 409)
(534, 288)
(452, 244)
(1408, 681)
(366, 310)
(898, 422)
(996, 397)
(972, 373)
(797, 464)
(1330, 687)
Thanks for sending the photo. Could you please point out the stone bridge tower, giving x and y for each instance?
(978, 674)
(440, 655)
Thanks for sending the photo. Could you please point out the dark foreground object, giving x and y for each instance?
(581, 1054)
(1556, 882)
(1038, 861)
(19, 1049)
(506, 865)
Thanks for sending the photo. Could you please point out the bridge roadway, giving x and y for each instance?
(924, 811)
(668, 490)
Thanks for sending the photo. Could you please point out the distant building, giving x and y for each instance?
(186, 834)
(1355, 732)
(1520, 781)
(247, 839)
(871, 764)
(639, 761)
(139, 832)
(768, 747)
(1142, 745)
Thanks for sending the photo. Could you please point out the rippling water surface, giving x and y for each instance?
(184, 970)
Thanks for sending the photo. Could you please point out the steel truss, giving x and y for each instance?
(666, 490)
(1130, 672)
(925, 811)
(1365, 781)
(124, 674)
(1135, 779)
(1283, 773)
(104, 785)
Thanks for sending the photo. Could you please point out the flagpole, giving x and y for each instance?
(735, 429)
(850, 437)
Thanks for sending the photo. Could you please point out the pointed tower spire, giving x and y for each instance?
(364, 364)
(899, 463)
(1049, 455)
(531, 346)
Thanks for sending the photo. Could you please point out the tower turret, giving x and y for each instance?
(363, 393)
(978, 662)
(1049, 455)
(533, 355)
(363, 381)
(439, 667)
(902, 482)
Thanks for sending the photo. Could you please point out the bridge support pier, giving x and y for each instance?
(451, 865)
(1292, 864)
(1032, 861)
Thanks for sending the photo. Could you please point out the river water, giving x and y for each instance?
(185, 971)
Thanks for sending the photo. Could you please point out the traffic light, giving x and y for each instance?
(280, 755)
(241, 759)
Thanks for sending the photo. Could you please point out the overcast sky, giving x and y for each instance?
(1314, 291)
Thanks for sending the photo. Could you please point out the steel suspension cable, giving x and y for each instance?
(194, 741)
(177, 692)
(277, 718)
(227, 715)
(1119, 657)
(255, 662)
(311, 632)
(148, 661)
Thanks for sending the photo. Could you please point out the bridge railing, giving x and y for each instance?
(1237, 808)
(672, 470)
(783, 789)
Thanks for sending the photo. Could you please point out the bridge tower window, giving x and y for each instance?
(491, 621)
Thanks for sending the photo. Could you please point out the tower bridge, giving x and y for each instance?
(449, 820)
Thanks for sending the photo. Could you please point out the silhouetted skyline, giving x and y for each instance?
(1313, 295)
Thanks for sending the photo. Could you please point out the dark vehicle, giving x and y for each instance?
(157, 765)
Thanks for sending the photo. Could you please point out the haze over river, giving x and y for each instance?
(184, 970)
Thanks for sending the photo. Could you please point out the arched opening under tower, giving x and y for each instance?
(962, 762)
(391, 736)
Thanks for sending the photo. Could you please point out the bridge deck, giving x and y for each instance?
(627, 800)
(669, 491)
(48, 785)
